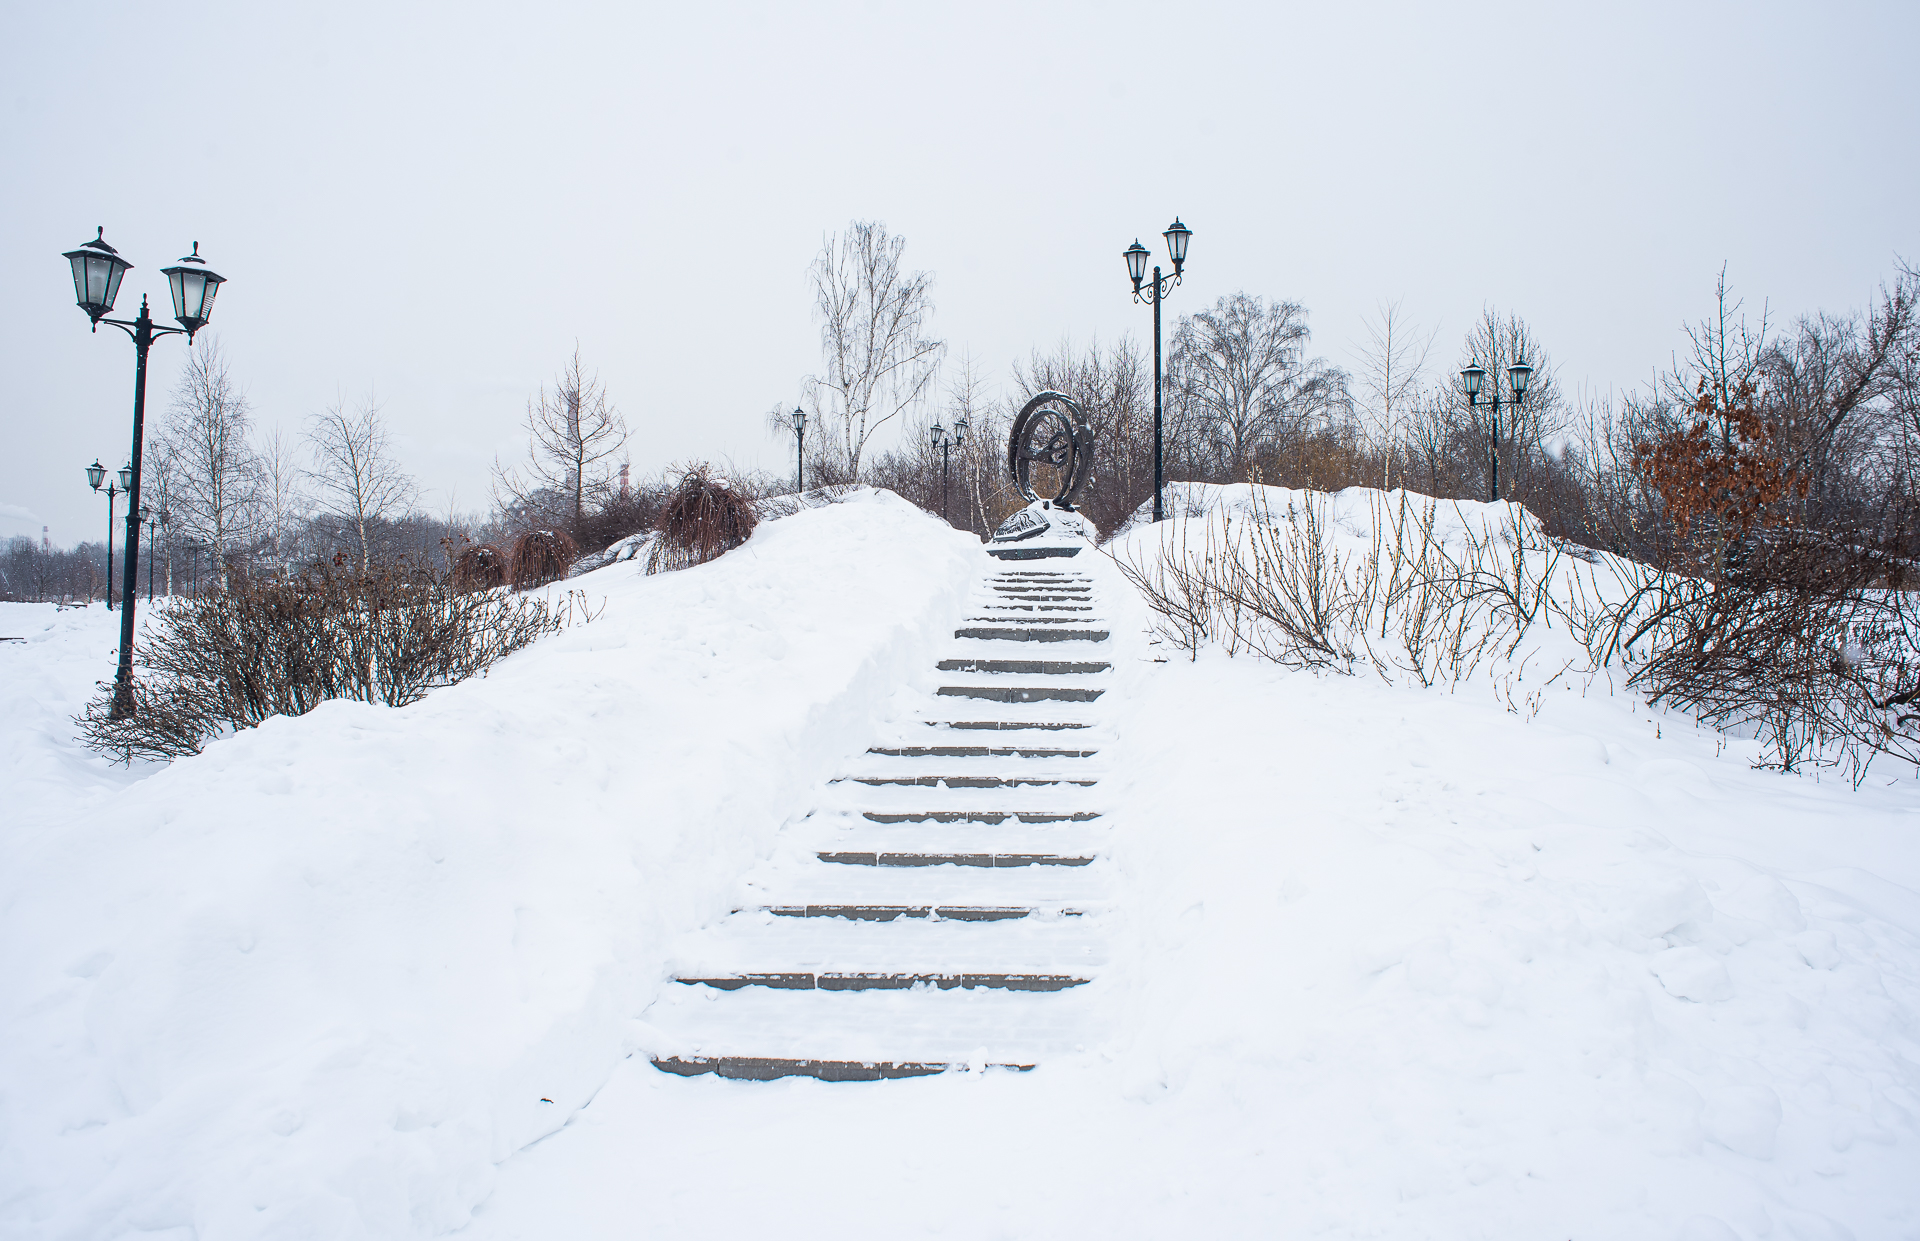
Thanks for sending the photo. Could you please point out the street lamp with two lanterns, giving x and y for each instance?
(1474, 377)
(946, 441)
(1136, 254)
(97, 272)
(96, 474)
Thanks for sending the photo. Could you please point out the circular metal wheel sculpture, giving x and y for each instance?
(1052, 430)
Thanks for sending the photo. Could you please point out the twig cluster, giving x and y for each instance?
(704, 517)
(1797, 649)
(1277, 585)
(225, 662)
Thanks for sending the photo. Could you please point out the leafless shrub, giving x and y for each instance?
(283, 646)
(539, 557)
(481, 566)
(1796, 647)
(1275, 583)
(704, 517)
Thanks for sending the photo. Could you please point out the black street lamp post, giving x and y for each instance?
(97, 271)
(946, 441)
(1474, 377)
(799, 417)
(1136, 256)
(95, 473)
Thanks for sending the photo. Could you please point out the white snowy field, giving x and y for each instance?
(1384, 962)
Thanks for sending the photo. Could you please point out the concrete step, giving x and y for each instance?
(1006, 725)
(1037, 608)
(942, 913)
(977, 751)
(970, 782)
(990, 861)
(1032, 634)
(887, 981)
(770, 1068)
(980, 816)
(1031, 553)
(1019, 693)
(1026, 667)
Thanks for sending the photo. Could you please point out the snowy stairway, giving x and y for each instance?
(941, 906)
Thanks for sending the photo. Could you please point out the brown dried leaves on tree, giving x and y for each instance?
(1723, 475)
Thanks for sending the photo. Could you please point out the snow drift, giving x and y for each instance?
(320, 979)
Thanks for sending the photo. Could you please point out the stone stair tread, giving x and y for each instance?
(957, 781)
(816, 884)
(1026, 667)
(912, 1025)
(1021, 693)
(770, 1068)
(1008, 725)
(992, 817)
(982, 861)
(884, 980)
(873, 912)
(978, 751)
(1009, 633)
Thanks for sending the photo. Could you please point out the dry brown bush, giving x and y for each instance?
(271, 647)
(479, 567)
(704, 517)
(541, 556)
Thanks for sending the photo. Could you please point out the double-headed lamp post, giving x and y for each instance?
(1474, 377)
(946, 441)
(799, 418)
(95, 473)
(1136, 255)
(97, 271)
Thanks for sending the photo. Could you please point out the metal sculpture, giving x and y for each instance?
(1052, 430)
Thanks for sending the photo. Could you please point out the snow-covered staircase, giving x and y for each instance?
(941, 907)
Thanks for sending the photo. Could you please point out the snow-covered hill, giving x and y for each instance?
(1519, 958)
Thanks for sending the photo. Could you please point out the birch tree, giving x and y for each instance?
(1391, 364)
(1243, 369)
(216, 475)
(356, 480)
(880, 361)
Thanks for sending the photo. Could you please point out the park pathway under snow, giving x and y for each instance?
(939, 907)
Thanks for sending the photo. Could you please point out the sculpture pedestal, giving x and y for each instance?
(1040, 531)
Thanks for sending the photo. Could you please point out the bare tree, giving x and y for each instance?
(1496, 342)
(1391, 363)
(873, 321)
(1243, 369)
(283, 501)
(355, 476)
(217, 475)
(572, 435)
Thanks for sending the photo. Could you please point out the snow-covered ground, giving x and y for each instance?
(1382, 962)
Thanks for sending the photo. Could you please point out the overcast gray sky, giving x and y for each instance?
(437, 201)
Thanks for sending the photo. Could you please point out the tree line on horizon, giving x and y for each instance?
(1832, 401)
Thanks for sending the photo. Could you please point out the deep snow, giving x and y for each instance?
(1383, 961)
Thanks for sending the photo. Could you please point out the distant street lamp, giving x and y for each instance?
(95, 473)
(146, 519)
(97, 272)
(946, 441)
(1136, 256)
(799, 417)
(1518, 375)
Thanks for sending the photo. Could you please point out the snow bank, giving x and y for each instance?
(1387, 962)
(320, 979)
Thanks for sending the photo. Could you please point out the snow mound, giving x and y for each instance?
(320, 979)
